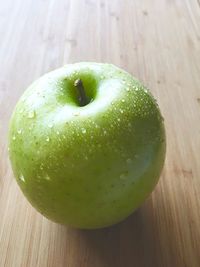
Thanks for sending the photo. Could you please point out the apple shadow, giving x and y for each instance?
(147, 238)
(122, 244)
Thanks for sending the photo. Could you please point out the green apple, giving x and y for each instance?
(87, 144)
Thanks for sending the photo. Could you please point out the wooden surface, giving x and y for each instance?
(159, 42)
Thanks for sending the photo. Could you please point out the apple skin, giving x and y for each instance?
(91, 166)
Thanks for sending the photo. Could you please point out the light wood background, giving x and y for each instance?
(159, 42)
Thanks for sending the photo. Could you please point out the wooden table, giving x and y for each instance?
(159, 42)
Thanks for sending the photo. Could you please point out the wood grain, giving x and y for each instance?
(159, 42)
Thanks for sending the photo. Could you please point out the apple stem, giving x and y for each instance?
(83, 100)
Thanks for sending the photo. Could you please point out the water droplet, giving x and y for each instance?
(129, 161)
(112, 103)
(46, 177)
(31, 114)
(57, 132)
(19, 131)
(23, 99)
(121, 110)
(105, 132)
(127, 89)
(50, 125)
(123, 100)
(21, 177)
(118, 119)
(83, 130)
(123, 176)
(47, 139)
(136, 89)
(14, 137)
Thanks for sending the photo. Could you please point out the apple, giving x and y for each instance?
(87, 144)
